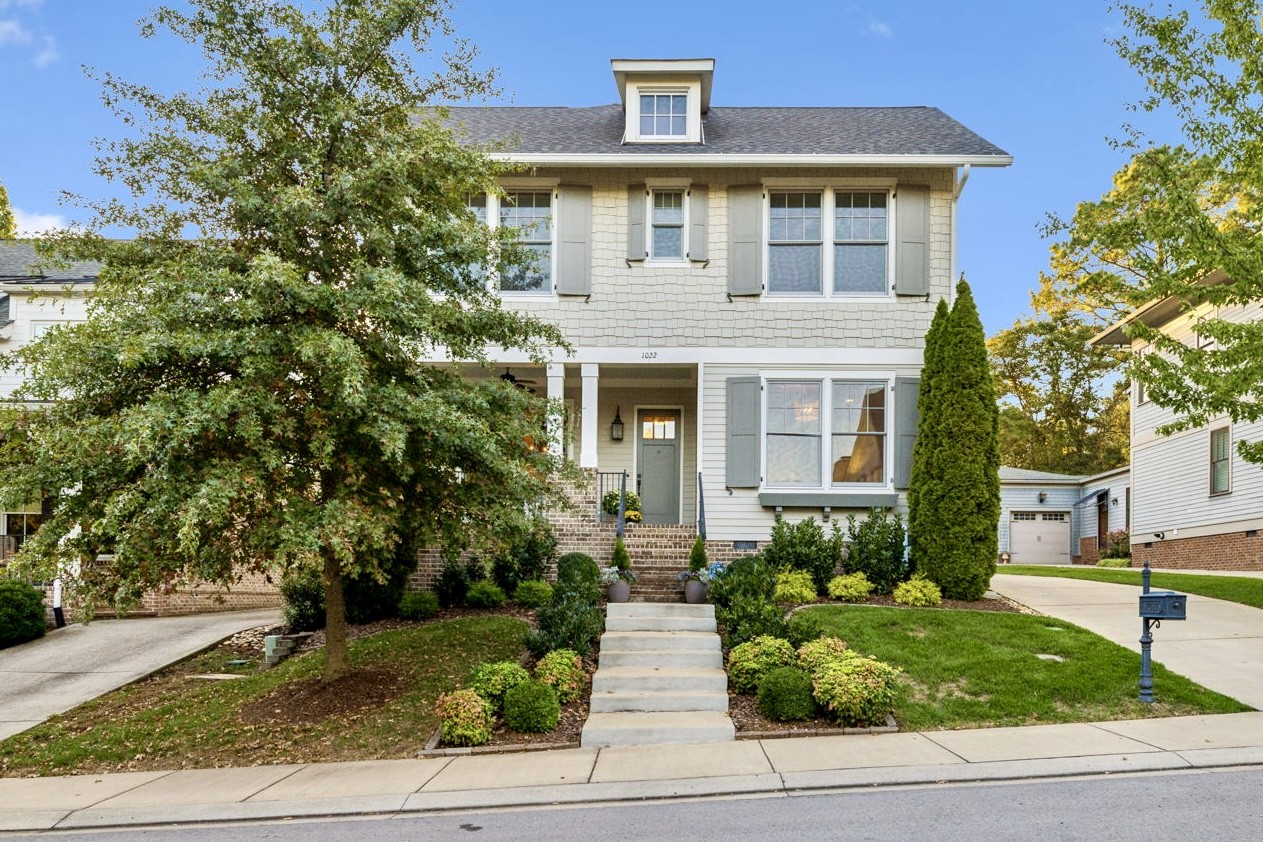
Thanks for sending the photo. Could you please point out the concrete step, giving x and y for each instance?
(669, 728)
(665, 641)
(665, 623)
(650, 702)
(650, 609)
(677, 659)
(658, 680)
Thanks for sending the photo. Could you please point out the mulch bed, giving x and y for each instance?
(310, 701)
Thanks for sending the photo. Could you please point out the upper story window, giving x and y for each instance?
(1220, 459)
(664, 115)
(857, 223)
(530, 211)
(667, 223)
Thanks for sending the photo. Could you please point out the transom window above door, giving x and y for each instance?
(657, 428)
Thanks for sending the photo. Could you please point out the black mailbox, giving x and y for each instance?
(1163, 605)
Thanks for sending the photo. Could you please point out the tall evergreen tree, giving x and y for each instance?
(8, 226)
(957, 469)
(922, 490)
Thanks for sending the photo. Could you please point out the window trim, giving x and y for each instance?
(493, 204)
(690, 89)
(828, 190)
(653, 188)
(826, 381)
(1226, 461)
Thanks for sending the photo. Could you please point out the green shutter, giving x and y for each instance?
(744, 428)
(745, 246)
(574, 241)
(637, 196)
(912, 250)
(699, 208)
(907, 390)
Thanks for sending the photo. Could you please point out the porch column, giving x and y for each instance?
(699, 438)
(587, 441)
(556, 408)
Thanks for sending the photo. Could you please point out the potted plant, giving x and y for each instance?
(609, 502)
(619, 575)
(698, 574)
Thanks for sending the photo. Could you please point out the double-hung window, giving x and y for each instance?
(1220, 458)
(854, 223)
(529, 211)
(860, 241)
(794, 244)
(798, 414)
(666, 218)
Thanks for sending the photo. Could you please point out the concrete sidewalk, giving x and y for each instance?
(574, 776)
(1220, 645)
(72, 665)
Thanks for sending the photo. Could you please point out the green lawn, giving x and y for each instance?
(173, 721)
(974, 669)
(1242, 589)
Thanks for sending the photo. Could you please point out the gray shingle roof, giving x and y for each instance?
(730, 131)
(1008, 474)
(19, 264)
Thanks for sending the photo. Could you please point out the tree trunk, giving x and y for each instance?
(337, 664)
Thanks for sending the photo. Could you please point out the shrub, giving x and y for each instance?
(750, 661)
(1117, 545)
(804, 626)
(367, 600)
(468, 719)
(785, 695)
(452, 583)
(877, 549)
(794, 588)
(534, 593)
(303, 600)
(742, 595)
(857, 691)
(918, 592)
(697, 556)
(815, 655)
(609, 502)
(562, 670)
(803, 546)
(22, 615)
(418, 605)
(1114, 562)
(748, 618)
(484, 595)
(853, 587)
(568, 622)
(621, 561)
(492, 681)
(527, 557)
(532, 706)
(578, 575)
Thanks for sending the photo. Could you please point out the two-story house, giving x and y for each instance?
(746, 290)
(1195, 502)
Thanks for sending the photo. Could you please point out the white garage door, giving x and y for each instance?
(1040, 537)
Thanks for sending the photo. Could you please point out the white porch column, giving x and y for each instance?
(556, 409)
(587, 441)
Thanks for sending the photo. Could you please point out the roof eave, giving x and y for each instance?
(1153, 314)
(704, 159)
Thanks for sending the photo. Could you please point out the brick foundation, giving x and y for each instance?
(1089, 552)
(1231, 551)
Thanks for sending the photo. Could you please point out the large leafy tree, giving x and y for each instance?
(954, 505)
(1063, 405)
(248, 392)
(1179, 213)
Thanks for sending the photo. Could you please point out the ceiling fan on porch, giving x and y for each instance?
(521, 383)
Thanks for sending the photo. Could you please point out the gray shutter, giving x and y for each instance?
(907, 390)
(699, 201)
(745, 246)
(744, 425)
(912, 251)
(637, 195)
(574, 241)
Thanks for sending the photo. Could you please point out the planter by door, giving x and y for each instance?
(694, 592)
(619, 591)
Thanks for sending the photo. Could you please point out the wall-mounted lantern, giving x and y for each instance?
(1043, 495)
(616, 426)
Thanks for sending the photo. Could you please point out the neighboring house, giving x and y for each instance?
(1048, 518)
(1196, 503)
(746, 290)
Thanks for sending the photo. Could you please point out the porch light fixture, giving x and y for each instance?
(1043, 495)
(616, 426)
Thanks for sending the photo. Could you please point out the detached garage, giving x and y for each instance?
(1039, 537)
(1037, 515)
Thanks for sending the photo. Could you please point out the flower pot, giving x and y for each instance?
(619, 591)
(694, 592)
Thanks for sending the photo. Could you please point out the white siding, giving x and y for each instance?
(29, 312)
(1086, 514)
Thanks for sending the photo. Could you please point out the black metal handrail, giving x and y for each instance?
(701, 508)
(605, 483)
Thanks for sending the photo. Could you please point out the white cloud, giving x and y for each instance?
(13, 32)
(47, 52)
(34, 224)
(880, 27)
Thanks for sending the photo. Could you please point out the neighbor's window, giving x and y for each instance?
(664, 115)
(794, 243)
(860, 241)
(793, 433)
(668, 225)
(530, 211)
(1220, 452)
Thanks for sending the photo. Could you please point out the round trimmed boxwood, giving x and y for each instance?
(785, 695)
(22, 615)
(484, 594)
(750, 661)
(532, 707)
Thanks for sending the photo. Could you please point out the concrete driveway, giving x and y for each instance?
(69, 666)
(1220, 645)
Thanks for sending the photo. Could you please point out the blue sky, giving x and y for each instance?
(1037, 79)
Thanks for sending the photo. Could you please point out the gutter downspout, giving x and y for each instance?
(957, 189)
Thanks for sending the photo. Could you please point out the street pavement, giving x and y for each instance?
(1226, 642)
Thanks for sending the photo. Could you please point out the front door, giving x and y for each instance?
(658, 464)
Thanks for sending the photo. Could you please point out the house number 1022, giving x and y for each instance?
(648, 355)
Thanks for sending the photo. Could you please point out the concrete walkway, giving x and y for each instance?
(72, 665)
(1220, 645)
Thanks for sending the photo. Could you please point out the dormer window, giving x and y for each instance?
(664, 115)
(664, 99)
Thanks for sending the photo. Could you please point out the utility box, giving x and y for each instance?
(1163, 605)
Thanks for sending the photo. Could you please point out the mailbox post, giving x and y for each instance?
(1155, 606)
